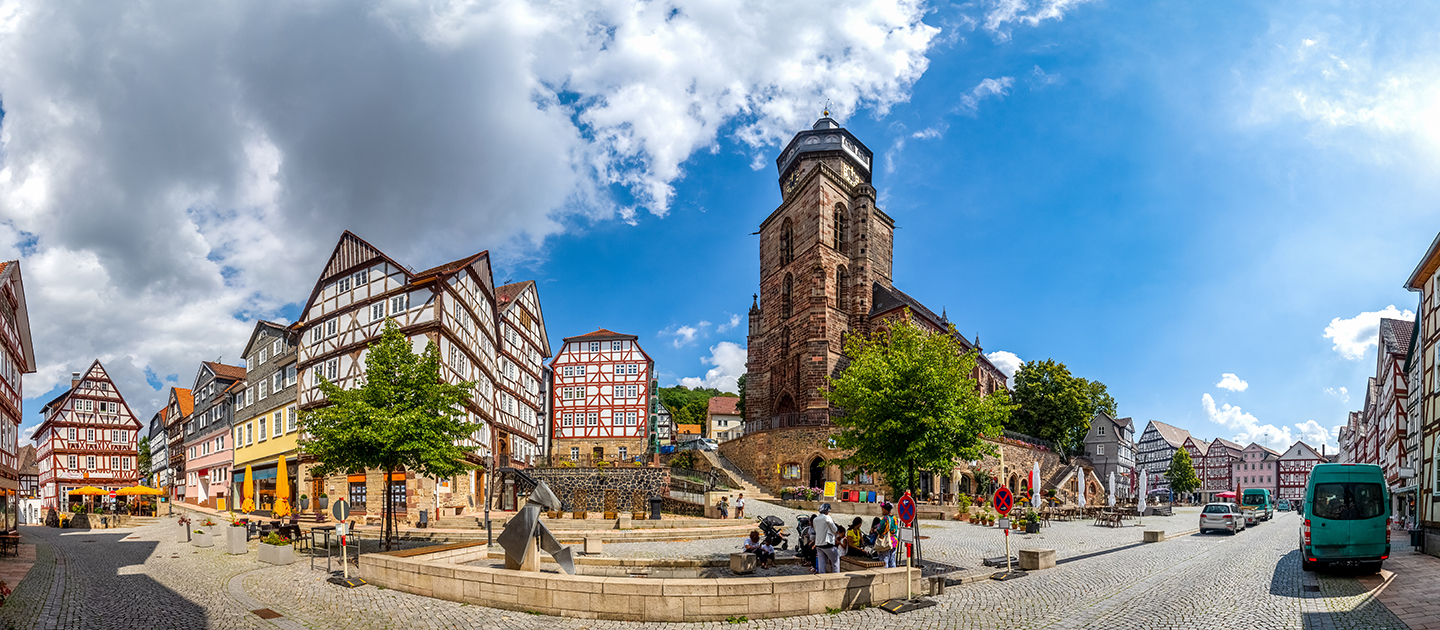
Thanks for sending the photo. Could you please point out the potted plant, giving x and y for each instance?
(1032, 521)
(304, 501)
(201, 538)
(324, 501)
(235, 537)
(276, 549)
(184, 531)
(210, 526)
(786, 493)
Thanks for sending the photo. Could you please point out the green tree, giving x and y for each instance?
(1181, 474)
(1056, 405)
(403, 416)
(910, 404)
(690, 406)
(142, 458)
(740, 385)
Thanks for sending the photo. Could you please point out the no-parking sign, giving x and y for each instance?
(1004, 500)
(906, 510)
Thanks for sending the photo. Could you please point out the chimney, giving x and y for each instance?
(74, 380)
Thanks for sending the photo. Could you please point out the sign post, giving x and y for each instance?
(341, 510)
(1004, 502)
(905, 510)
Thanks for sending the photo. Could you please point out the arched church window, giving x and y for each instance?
(785, 338)
(842, 288)
(787, 242)
(840, 228)
(785, 288)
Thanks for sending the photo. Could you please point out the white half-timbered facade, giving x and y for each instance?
(520, 370)
(17, 358)
(87, 438)
(601, 398)
(1295, 465)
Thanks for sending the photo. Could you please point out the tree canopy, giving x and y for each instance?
(142, 457)
(690, 406)
(909, 404)
(402, 416)
(1182, 473)
(1056, 405)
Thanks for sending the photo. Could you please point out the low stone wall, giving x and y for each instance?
(651, 482)
(925, 512)
(445, 575)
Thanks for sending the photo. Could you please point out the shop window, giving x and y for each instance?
(790, 471)
(357, 495)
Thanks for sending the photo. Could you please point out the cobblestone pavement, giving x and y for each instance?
(141, 578)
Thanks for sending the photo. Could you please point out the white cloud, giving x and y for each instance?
(999, 14)
(1353, 336)
(729, 361)
(1007, 363)
(170, 173)
(1248, 428)
(1043, 78)
(928, 133)
(1340, 392)
(734, 321)
(1231, 382)
(970, 102)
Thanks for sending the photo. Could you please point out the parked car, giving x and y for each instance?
(1226, 516)
(1347, 517)
(1258, 505)
(1283, 505)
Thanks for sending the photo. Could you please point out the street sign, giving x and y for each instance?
(906, 509)
(1004, 500)
(341, 509)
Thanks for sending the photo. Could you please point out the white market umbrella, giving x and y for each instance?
(1080, 483)
(1112, 488)
(1144, 481)
(1035, 486)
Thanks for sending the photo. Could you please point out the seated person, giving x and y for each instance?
(855, 540)
(764, 554)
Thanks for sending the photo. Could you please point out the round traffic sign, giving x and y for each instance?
(341, 509)
(906, 510)
(1004, 500)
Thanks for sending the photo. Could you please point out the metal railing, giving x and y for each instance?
(818, 418)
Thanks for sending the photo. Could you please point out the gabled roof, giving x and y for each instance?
(1228, 443)
(28, 464)
(1395, 335)
(185, 399)
(452, 266)
(352, 252)
(10, 273)
(601, 335)
(1174, 435)
(1125, 422)
(507, 296)
(255, 334)
(1200, 445)
(1308, 452)
(227, 372)
(724, 406)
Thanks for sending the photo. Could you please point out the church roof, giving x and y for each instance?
(826, 136)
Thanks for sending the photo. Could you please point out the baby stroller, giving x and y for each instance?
(772, 528)
(805, 546)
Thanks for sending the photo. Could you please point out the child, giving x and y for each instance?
(764, 554)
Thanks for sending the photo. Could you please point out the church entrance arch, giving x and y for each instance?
(817, 473)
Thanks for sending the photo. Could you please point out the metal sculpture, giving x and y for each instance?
(526, 525)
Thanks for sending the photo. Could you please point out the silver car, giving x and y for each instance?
(1222, 516)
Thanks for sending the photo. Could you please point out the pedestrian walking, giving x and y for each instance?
(885, 542)
(740, 506)
(827, 552)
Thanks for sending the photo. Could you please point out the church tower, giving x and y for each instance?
(821, 252)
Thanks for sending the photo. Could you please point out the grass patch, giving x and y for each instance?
(740, 619)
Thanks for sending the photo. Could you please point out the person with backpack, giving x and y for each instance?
(885, 539)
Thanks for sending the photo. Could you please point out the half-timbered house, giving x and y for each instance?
(454, 305)
(1153, 453)
(178, 407)
(87, 438)
(1219, 468)
(1197, 448)
(208, 448)
(1294, 470)
(601, 398)
(17, 358)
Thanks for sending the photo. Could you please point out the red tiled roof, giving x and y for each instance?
(601, 333)
(454, 265)
(724, 405)
(230, 372)
(507, 292)
(3, 265)
(186, 400)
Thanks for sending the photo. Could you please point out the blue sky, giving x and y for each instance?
(1155, 194)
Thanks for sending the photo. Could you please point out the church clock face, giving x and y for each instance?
(793, 181)
(848, 172)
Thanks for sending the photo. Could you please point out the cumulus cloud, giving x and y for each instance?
(1248, 428)
(1339, 392)
(728, 360)
(970, 101)
(1231, 382)
(1007, 363)
(1353, 336)
(685, 334)
(1001, 14)
(168, 173)
(727, 326)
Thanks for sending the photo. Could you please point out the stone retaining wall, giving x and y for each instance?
(444, 575)
(651, 482)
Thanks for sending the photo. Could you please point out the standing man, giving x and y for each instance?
(740, 506)
(828, 556)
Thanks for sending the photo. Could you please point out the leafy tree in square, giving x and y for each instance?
(402, 416)
(1181, 473)
(1056, 405)
(910, 403)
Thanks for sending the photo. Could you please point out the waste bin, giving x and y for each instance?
(424, 519)
(1417, 539)
(655, 508)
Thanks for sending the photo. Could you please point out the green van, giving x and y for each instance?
(1257, 504)
(1347, 517)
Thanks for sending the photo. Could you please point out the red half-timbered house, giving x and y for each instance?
(88, 438)
(601, 398)
(1295, 465)
(17, 357)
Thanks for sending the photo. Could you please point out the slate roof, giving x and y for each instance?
(1174, 435)
(228, 372)
(884, 300)
(724, 406)
(1124, 422)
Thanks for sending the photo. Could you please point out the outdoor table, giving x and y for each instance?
(10, 542)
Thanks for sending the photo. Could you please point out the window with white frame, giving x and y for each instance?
(277, 348)
(264, 389)
(277, 381)
(250, 433)
(290, 419)
(624, 452)
(279, 420)
(616, 345)
(290, 375)
(332, 327)
(567, 420)
(264, 355)
(264, 426)
(399, 304)
(1099, 449)
(594, 346)
(377, 311)
(343, 284)
(574, 452)
(71, 462)
(249, 397)
(332, 368)
(594, 419)
(362, 277)
(90, 462)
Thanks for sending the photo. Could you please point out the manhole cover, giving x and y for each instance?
(266, 613)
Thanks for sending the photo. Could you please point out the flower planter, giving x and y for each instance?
(277, 554)
(610, 516)
(324, 503)
(577, 514)
(183, 534)
(202, 540)
(235, 541)
(304, 504)
(1032, 528)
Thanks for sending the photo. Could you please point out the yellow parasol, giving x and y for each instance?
(138, 490)
(282, 490)
(90, 490)
(249, 505)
